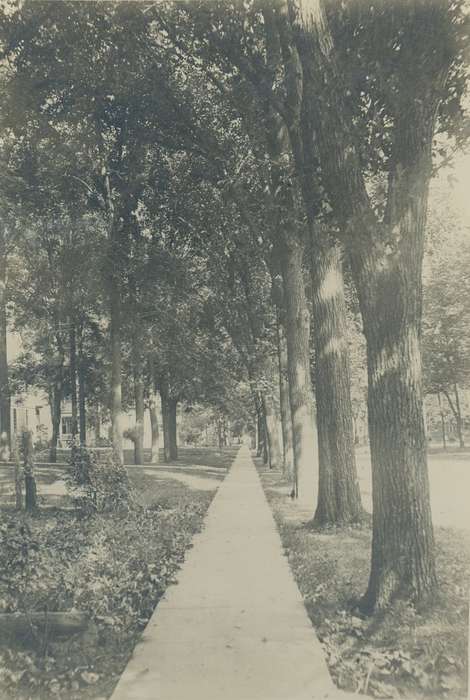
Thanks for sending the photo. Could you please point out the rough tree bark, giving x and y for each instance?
(289, 251)
(339, 499)
(338, 492)
(297, 326)
(386, 260)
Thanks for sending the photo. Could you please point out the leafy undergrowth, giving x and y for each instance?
(114, 566)
(402, 652)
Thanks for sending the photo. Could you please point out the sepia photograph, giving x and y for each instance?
(234, 349)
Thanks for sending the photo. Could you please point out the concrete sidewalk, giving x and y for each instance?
(234, 627)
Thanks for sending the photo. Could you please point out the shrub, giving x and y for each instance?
(96, 482)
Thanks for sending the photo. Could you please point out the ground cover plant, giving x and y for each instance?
(405, 651)
(111, 563)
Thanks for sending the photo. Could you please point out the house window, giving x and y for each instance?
(67, 425)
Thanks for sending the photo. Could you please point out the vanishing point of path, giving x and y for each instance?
(234, 627)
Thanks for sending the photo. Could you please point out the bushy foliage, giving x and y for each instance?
(124, 570)
(96, 482)
(114, 566)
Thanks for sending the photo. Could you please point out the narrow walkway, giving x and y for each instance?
(235, 627)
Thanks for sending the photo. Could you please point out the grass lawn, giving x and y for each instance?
(403, 652)
(114, 566)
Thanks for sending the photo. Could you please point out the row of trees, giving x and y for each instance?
(207, 200)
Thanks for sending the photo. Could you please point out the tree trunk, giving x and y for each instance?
(139, 407)
(98, 423)
(73, 378)
(443, 422)
(18, 474)
(165, 419)
(286, 418)
(220, 440)
(27, 450)
(386, 259)
(115, 231)
(56, 411)
(265, 450)
(289, 250)
(300, 388)
(81, 392)
(272, 418)
(259, 430)
(116, 378)
(389, 267)
(339, 499)
(5, 399)
(155, 446)
(458, 417)
(172, 429)
(403, 544)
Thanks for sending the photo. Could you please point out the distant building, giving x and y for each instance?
(31, 411)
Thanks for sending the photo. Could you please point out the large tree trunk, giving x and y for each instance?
(81, 391)
(73, 377)
(300, 388)
(386, 260)
(339, 499)
(403, 544)
(289, 251)
(139, 407)
(172, 428)
(272, 419)
(155, 445)
(286, 418)
(5, 400)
